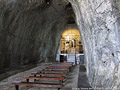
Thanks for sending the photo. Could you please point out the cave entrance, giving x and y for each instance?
(71, 42)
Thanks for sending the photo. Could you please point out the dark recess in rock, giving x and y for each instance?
(113, 54)
(68, 6)
(71, 20)
(48, 1)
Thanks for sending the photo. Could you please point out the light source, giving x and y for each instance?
(73, 40)
(68, 37)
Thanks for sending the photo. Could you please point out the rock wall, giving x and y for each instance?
(29, 31)
(99, 24)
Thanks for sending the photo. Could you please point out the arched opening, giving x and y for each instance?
(71, 42)
(70, 46)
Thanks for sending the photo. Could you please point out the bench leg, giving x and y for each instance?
(16, 87)
(61, 82)
(58, 88)
(34, 79)
(27, 80)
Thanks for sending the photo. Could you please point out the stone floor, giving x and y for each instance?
(83, 80)
(71, 83)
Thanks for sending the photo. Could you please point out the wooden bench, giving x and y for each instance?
(54, 69)
(60, 79)
(67, 63)
(48, 71)
(64, 64)
(49, 74)
(45, 78)
(35, 84)
(61, 67)
(57, 69)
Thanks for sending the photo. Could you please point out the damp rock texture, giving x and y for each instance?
(30, 30)
(99, 24)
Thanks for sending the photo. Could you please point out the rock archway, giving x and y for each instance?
(30, 31)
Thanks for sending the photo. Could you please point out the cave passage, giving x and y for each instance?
(37, 31)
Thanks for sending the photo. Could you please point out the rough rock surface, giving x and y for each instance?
(99, 24)
(30, 31)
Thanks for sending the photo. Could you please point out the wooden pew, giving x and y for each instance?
(57, 69)
(45, 78)
(48, 71)
(49, 74)
(54, 69)
(35, 84)
(59, 66)
(60, 79)
(67, 63)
